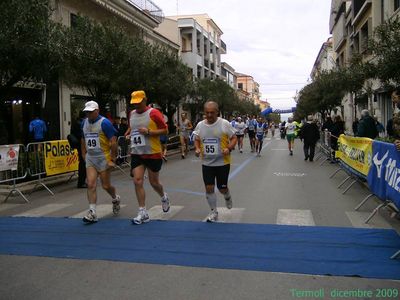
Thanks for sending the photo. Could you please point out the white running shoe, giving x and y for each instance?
(228, 203)
(91, 217)
(213, 216)
(116, 205)
(142, 217)
(165, 203)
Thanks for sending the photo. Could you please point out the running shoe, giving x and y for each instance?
(142, 217)
(115, 205)
(165, 203)
(213, 216)
(228, 203)
(90, 217)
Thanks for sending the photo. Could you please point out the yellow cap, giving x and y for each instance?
(137, 97)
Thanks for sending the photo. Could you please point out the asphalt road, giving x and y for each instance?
(272, 189)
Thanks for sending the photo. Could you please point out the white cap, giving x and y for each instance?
(91, 106)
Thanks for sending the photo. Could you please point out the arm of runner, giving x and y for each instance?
(232, 144)
(197, 144)
(158, 118)
(230, 131)
(83, 148)
(114, 148)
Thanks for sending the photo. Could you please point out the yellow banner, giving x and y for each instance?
(356, 152)
(60, 158)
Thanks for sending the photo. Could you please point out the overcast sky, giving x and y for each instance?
(275, 41)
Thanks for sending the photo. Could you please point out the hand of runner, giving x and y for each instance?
(197, 152)
(111, 164)
(397, 144)
(226, 151)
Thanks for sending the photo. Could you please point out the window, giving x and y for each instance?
(396, 4)
(73, 20)
(240, 86)
(364, 35)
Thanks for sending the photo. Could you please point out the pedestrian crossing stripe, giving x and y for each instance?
(102, 210)
(43, 210)
(301, 217)
(156, 212)
(233, 215)
(6, 206)
(284, 216)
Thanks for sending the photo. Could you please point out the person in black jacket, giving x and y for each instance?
(310, 134)
(367, 126)
(76, 131)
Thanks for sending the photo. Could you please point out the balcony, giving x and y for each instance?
(149, 8)
(223, 47)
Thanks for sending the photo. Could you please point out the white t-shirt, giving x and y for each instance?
(214, 138)
(290, 128)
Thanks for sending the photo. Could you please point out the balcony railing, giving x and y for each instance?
(148, 7)
(223, 45)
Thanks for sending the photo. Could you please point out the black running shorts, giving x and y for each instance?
(152, 164)
(221, 173)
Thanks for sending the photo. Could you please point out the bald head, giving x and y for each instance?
(211, 111)
(211, 105)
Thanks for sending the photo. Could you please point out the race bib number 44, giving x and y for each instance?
(137, 139)
(92, 141)
(210, 147)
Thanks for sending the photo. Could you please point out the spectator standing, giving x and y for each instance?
(38, 129)
(310, 135)
(367, 126)
(76, 131)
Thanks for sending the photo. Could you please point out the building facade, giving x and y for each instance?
(352, 24)
(200, 43)
(228, 75)
(59, 104)
(248, 88)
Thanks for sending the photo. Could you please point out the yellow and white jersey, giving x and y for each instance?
(97, 137)
(213, 139)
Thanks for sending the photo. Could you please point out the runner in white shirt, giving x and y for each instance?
(240, 127)
(290, 129)
(214, 140)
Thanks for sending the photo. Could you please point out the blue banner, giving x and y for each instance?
(384, 173)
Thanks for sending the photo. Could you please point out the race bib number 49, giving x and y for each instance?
(92, 141)
(210, 147)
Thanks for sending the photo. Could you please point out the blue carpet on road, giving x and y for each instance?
(258, 247)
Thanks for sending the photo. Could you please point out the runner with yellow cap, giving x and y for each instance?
(146, 125)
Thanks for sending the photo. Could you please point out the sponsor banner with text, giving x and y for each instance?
(9, 157)
(356, 153)
(384, 175)
(60, 157)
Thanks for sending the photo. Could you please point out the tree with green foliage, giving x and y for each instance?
(385, 47)
(27, 51)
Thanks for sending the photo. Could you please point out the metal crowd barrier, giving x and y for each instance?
(21, 172)
(325, 148)
(123, 153)
(36, 163)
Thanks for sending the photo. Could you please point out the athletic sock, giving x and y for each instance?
(92, 207)
(212, 200)
(227, 195)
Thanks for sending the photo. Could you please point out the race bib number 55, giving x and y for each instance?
(210, 147)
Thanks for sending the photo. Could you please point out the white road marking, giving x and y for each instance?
(43, 210)
(233, 215)
(357, 219)
(283, 174)
(302, 217)
(156, 212)
(102, 210)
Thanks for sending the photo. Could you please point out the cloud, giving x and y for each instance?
(275, 41)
